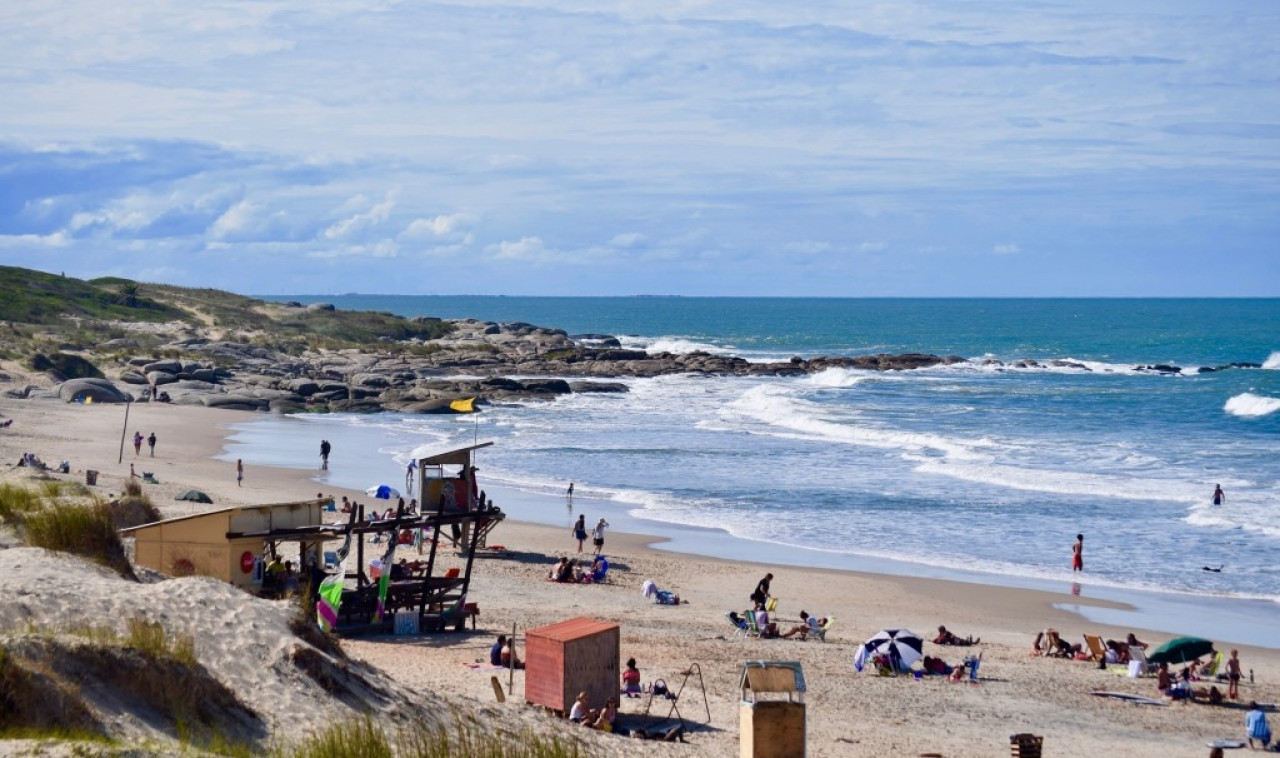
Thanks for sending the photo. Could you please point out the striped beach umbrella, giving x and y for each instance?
(903, 647)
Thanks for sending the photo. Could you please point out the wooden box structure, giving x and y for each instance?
(568, 657)
(771, 715)
(202, 543)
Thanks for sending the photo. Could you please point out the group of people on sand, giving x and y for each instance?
(568, 570)
(138, 440)
(579, 533)
(765, 621)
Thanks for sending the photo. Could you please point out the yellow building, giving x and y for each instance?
(211, 544)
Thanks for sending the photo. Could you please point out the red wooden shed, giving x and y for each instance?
(568, 657)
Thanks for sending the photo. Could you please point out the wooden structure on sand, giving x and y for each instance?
(568, 657)
(451, 510)
(771, 715)
(203, 543)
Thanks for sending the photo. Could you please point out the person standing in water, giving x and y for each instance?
(569, 495)
(1077, 554)
(1218, 495)
(325, 448)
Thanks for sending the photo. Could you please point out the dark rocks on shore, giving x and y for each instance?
(97, 390)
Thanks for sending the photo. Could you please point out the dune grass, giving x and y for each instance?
(362, 738)
(87, 530)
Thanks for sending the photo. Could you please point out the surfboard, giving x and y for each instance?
(1129, 698)
(1227, 744)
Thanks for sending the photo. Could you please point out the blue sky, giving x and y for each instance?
(926, 148)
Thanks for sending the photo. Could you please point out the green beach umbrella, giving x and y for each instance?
(1181, 650)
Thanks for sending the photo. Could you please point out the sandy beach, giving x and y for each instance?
(848, 713)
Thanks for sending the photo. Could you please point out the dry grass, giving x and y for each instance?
(464, 737)
(87, 530)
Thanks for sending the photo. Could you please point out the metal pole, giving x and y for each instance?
(125, 430)
(511, 664)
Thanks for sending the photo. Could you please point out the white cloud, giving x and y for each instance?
(626, 239)
(529, 249)
(364, 220)
(1007, 248)
(434, 227)
(236, 219)
(57, 239)
(807, 247)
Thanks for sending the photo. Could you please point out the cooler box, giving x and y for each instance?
(406, 622)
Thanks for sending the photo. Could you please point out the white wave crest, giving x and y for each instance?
(1273, 361)
(1250, 405)
(670, 344)
(837, 377)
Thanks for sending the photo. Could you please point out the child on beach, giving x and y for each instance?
(1233, 675)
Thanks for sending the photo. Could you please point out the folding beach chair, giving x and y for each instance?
(753, 629)
(820, 634)
(739, 624)
(1138, 663)
(1097, 650)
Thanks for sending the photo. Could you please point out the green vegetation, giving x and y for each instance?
(363, 739)
(85, 529)
(34, 297)
(64, 366)
(76, 315)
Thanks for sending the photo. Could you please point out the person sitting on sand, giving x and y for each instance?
(579, 712)
(807, 625)
(562, 571)
(631, 679)
(507, 656)
(1256, 728)
(945, 637)
(1117, 652)
(768, 628)
(957, 674)
(608, 715)
(1132, 641)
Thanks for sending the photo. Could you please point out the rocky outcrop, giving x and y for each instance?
(477, 360)
(97, 390)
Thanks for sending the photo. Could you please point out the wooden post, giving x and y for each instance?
(511, 663)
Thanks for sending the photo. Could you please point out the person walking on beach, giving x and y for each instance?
(151, 443)
(409, 472)
(1218, 495)
(324, 455)
(239, 472)
(598, 535)
(580, 530)
(1077, 554)
(137, 443)
(761, 594)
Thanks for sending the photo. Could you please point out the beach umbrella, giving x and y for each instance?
(1181, 650)
(382, 491)
(195, 496)
(901, 645)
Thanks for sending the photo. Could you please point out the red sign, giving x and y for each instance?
(246, 562)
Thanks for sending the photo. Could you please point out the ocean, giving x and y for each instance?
(977, 469)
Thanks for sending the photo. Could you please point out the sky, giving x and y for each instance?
(914, 148)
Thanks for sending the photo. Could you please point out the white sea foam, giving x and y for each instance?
(1250, 405)
(1272, 362)
(776, 406)
(673, 344)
